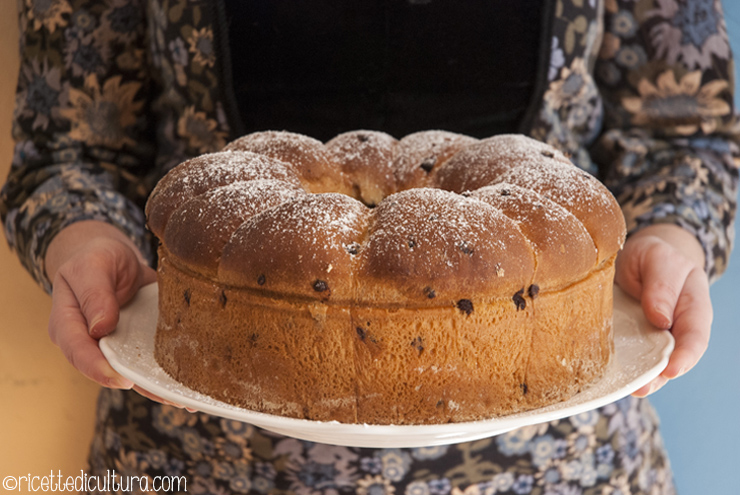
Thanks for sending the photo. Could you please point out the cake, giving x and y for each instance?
(432, 279)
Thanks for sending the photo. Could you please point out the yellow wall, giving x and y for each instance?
(46, 407)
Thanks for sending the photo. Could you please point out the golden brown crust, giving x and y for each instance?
(366, 157)
(425, 242)
(563, 248)
(301, 248)
(582, 195)
(421, 154)
(308, 156)
(481, 164)
(206, 172)
(199, 228)
(523, 161)
(486, 294)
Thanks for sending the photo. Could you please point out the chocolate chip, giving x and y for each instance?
(430, 292)
(428, 164)
(519, 300)
(465, 305)
(465, 248)
(365, 335)
(440, 403)
(261, 279)
(534, 290)
(418, 344)
(353, 248)
(524, 388)
(362, 137)
(466, 194)
(320, 286)
(433, 217)
(253, 339)
(548, 154)
(412, 243)
(186, 295)
(222, 299)
(505, 192)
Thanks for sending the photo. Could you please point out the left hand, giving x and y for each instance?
(662, 266)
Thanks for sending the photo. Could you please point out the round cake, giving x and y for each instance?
(432, 279)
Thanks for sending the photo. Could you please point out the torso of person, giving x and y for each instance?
(325, 67)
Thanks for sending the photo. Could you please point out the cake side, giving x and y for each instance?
(383, 365)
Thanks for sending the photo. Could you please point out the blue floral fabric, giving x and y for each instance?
(114, 93)
(616, 450)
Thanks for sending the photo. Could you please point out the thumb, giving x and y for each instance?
(628, 274)
(96, 295)
(109, 278)
(653, 272)
(148, 275)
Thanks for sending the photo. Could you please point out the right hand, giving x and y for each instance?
(96, 269)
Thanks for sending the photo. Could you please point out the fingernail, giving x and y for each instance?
(665, 320)
(120, 382)
(653, 387)
(640, 395)
(94, 323)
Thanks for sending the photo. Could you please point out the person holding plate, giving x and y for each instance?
(113, 94)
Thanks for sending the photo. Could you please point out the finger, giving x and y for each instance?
(68, 330)
(103, 283)
(92, 283)
(654, 385)
(121, 292)
(664, 273)
(627, 274)
(148, 276)
(692, 326)
(155, 397)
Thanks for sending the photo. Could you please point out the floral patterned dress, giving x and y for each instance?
(113, 93)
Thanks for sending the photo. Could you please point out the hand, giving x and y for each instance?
(662, 266)
(96, 269)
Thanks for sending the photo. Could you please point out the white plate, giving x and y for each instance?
(642, 352)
